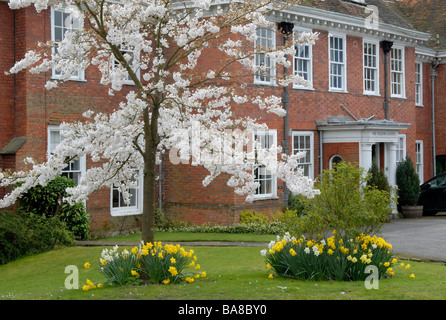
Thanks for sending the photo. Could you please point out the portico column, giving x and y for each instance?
(390, 159)
(366, 155)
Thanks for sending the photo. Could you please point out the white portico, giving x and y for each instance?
(377, 140)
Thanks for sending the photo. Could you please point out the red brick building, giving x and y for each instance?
(341, 116)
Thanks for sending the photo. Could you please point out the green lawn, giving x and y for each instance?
(232, 273)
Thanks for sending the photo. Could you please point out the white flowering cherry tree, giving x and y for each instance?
(159, 45)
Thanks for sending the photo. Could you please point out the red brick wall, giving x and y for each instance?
(6, 82)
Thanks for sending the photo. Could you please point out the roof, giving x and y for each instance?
(427, 16)
(388, 12)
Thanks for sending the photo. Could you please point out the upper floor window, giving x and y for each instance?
(64, 20)
(371, 72)
(266, 42)
(304, 141)
(337, 60)
(303, 61)
(131, 55)
(419, 84)
(397, 72)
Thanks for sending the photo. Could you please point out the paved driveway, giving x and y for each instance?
(423, 238)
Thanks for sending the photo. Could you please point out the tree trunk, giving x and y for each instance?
(151, 145)
(148, 213)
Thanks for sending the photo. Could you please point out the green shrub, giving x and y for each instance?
(26, 233)
(378, 178)
(249, 216)
(297, 202)
(408, 183)
(345, 204)
(48, 202)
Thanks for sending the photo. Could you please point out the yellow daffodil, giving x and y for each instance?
(412, 276)
(87, 265)
(407, 267)
(292, 252)
(134, 273)
(167, 281)
(270, 276)
(172, 260)
(203, 274)
(189, 280)
(173, 271)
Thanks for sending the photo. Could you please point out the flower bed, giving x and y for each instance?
(334, 258)
(157, 263)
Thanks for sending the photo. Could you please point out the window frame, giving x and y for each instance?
(81, 71)
(272, 71)
(82, 160)
(419, 159)
(273, 193)
(402, 73)
(136, 55)
(309, 60)
(296, 134)
(419, 84)
(401, 150)
(375, 68)
(342, 64)
(126, 210)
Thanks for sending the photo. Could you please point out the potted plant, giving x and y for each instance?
(408, 184)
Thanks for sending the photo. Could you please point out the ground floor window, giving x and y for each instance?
(401, 149)
(334, 160)
(118, 205)
(419, 159)
(304, 141)
(74, 169)
(266, 178)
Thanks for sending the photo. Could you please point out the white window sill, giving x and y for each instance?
(303, 88)
(265, 197)
(337, 90)
(121, 212)
(71, 79)
(398, 97)
(372, 94)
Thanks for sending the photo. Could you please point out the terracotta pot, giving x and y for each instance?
(412, 211)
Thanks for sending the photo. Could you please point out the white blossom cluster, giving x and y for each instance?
(163, 42)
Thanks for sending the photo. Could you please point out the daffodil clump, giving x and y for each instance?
(333, 258)
(159, 263)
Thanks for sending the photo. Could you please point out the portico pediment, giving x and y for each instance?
(361, 131)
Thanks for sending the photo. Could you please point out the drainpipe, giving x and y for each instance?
(434, 150)
(386, 46)
(286, 29)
